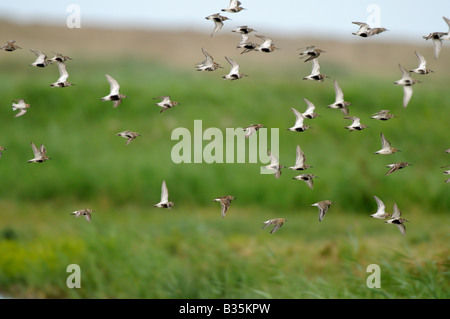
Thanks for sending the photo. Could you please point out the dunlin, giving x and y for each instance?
(2, 149)
(63, 75)
(386, 147)
(114, 94)
(20, 105)
(407, 82)
(323, 208)
(225, 202)
(396, 166)
(300, 161)
(277, 222)
(83, 212)
(299, 126)
(437, 38)
(267, 46)
(397, 220)
(422, 68)
(10, 46)
(40, 155)
(437, 41)
(356, 124)
(208, 64)
(366, 31)
(129, 135)
(339, 102)
(307, 178)
(311, 52)
(274, 165)
(233, 7)
(309, 113)
(249, 130)
(218, 22)
(315, 72)
(243, 29)
(41, 60)
(381, 210)
(234, 73)
(164, 203)
(58, 57)
(246, 44)
(166, 102)
(382, 115)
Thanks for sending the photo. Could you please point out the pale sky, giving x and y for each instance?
(409, 19)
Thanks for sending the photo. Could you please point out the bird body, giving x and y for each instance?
(380, 213)
(300, 161)
(356, 124)
(397, 220)
(277, 222)
(366, 31)
(315, 72)
(234, 7)
(396, 166)
(307, 178)
(309, 113)
(225, 202)
(208, 64)
(311, 52)
(41, 60)
(166, 103)
(63, 75)
(164, 202)
(323, 208)
(83, 212)
(407, 82)
(274, 165)
(382, 115)
(234, 73)
(10, 46)
(40, 155)
(114, 94)
(299, 125)
(386, 147)
(129, 135)
(422, 68)
(20, 104)
(249, 130)
(339, 102)
(218, 22)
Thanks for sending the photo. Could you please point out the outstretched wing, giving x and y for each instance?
(114, 85)
(338, 90)
(384, 142)
(298, 117)
(164, 192)
(36, 152)
(407, 94)
(315, 67)
(300, 157)
(63, 74)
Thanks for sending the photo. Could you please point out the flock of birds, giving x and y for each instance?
(267, 46)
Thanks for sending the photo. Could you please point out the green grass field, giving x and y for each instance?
(133, 250)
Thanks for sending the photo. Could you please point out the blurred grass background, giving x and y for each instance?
(132, 250)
